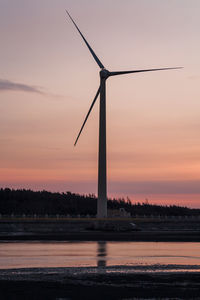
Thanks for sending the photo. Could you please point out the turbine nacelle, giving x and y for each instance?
(104, 74)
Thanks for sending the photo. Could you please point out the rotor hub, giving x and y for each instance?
(104, 74)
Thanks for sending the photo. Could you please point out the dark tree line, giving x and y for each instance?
(29, 202)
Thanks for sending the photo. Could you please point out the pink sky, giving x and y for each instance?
(48, 80)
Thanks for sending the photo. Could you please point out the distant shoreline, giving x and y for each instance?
(95, 230)
(143, 236)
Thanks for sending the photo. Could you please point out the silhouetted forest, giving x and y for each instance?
(28, 202)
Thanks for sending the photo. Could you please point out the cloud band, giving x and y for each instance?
(7, 85)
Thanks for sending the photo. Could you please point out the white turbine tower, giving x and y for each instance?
(104, 74)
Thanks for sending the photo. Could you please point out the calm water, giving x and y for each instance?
(141, 256)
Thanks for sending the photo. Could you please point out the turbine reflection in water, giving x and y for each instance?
(101, 253)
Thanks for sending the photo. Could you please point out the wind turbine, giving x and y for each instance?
(104, 74)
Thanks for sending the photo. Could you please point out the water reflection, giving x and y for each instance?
(137, 255)
(101, 253)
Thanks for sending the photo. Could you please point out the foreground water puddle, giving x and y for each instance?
(139, 256)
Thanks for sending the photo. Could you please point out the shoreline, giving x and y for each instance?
(97, 283)
(143, 236)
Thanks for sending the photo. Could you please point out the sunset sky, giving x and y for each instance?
(48, 80)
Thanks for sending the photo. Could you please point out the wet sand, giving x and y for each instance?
(98, 283)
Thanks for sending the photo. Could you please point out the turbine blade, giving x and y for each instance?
(139, 71)
(92, 52)
(93, 102)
